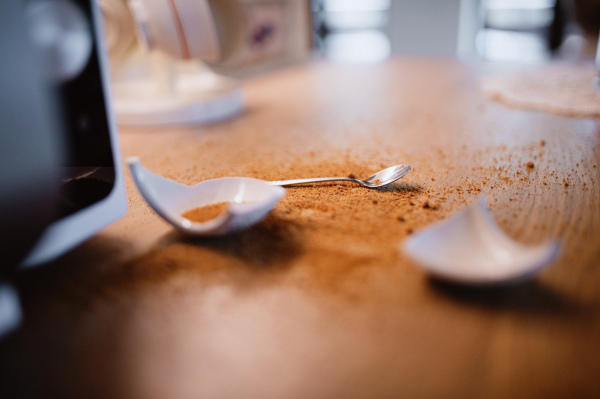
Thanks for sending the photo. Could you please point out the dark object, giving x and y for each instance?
(556, 31)
(587, 15)
(60, 173)
(29, 144)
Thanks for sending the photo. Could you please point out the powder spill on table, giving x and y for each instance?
(317, 300)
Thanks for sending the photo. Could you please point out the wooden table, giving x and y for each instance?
(141, 312)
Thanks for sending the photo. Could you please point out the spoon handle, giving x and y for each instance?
(310, 180)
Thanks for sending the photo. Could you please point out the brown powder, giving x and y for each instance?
(328, 236)
(205, 213)
(530, 165)
(319, 234)
(431, 204)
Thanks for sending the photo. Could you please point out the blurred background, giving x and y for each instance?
(369, 31)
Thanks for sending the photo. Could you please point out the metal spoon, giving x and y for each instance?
(379, 179)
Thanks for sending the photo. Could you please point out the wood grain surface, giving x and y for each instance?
(296, 308)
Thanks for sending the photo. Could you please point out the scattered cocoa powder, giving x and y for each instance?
(530, 165)
(320, 234)
(205, 213)
(431, 204)
(322, 231)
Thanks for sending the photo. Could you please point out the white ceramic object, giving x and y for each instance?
(250, 200)
(470, 248)
(184, 29)
(192, 95)
(160, 88)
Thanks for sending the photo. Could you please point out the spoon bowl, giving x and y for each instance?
(249, 200)
(379, 179)
(386, 176)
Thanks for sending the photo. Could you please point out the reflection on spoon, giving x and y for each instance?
(470, 248)
(249, 200)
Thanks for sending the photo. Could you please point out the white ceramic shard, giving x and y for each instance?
(470, 248)
(250, 200)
